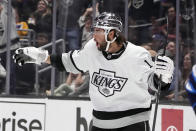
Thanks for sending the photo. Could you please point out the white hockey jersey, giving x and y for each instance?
(118, 87)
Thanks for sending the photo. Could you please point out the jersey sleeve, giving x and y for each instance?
(148, 72)
(77, 61)
(145, 68)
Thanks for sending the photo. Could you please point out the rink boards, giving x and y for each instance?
(43, 114)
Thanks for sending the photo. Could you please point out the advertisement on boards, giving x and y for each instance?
(69, 115)
(22, 116)
(76, 115)
(172, 120)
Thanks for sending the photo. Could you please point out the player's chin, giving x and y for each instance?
(101, 48)
(98, 46)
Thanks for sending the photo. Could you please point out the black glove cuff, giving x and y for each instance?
(57, 62)
(156, 80)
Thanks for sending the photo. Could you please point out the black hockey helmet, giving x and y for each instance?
(108, 21)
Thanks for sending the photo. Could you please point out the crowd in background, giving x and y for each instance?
(151, 24)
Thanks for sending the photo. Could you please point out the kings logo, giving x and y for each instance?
(107, 82)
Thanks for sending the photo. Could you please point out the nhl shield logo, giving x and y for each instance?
(107, 82)
(138, 3)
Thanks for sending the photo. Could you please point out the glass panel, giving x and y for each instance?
(150, 24)
(37, 14)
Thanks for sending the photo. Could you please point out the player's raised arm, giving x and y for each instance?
(164, 67)
(73, 61)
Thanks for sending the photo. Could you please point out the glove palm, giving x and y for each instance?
(164, 66)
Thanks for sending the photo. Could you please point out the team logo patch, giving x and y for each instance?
(107, 82)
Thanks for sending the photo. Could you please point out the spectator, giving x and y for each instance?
(82, 19)
(44, 77)
(42, 39)
(75, 85)
(85, 23)
(187, 66)
(141, 12)
(86, 31)
(171, 25)
(68, 13)
(25, 8)
(83, 89)
(171, 49)
(41, 19)
(3, 40)
(49, 3)
(158, 41)
(164, 5)
(80, 84)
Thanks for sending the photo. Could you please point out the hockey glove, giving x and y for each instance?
(164, 66)
(30, 55)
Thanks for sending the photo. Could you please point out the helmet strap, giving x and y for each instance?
(106, 39)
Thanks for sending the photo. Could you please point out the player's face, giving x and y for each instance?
(99, 37)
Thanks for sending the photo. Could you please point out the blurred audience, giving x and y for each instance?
(186, 69)
(86, 31)
(68, 14)
(76, 85)
(171, 50)
(25, 8)
(147, 27)
(169, 29)
(140, 13)
(42, 39)
(41, 19)
(3, 41)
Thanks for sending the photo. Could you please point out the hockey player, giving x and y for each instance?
(120, 75)
(191, 88)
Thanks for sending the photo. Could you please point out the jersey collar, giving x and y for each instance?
(111, 56)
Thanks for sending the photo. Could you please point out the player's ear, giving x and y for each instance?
(111, 34)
